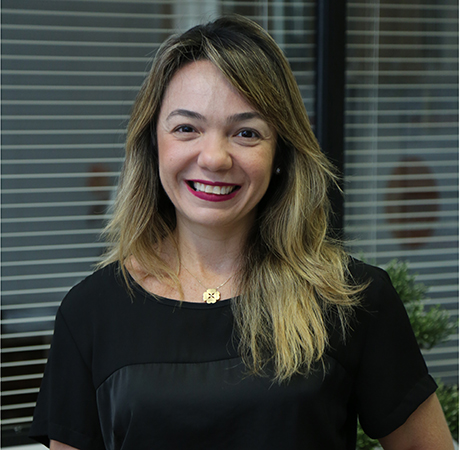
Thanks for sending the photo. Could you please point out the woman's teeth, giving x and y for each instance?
(217, 190)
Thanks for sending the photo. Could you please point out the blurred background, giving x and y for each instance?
(380, 83)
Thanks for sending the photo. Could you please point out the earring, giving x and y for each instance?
(277, 171)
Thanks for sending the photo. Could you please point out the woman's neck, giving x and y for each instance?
(205, 259)
(210, 252)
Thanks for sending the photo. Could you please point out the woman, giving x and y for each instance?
(223, 317)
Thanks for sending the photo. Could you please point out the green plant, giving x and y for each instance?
(431, 326)
(364, 442)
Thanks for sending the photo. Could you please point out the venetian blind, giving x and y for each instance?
(71, 70)
(401, 170)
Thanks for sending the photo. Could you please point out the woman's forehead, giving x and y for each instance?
(200, 87)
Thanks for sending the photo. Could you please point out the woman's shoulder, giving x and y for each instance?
(379, 323)
(362, 272)
(97, 290)
(379, 289)
(379, 299)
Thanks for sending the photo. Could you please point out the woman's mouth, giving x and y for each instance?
(214, 191)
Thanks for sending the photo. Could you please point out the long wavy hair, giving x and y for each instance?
(292, 274)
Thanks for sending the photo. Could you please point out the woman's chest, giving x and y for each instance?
(217, 404)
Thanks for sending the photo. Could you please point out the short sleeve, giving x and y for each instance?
(66, 409)
(392, 379)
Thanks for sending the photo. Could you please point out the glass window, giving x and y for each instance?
(401, 148)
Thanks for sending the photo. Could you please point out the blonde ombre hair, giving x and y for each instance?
(292, 274)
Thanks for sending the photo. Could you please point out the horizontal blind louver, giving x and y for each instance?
(401, 170)
(70, 73)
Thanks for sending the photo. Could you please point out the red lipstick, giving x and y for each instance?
(208, 196)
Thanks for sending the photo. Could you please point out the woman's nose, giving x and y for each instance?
(215, 153)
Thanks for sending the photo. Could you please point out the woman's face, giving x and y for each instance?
(215, 150)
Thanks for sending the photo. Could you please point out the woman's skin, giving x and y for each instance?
(55, 445)
(208, 134)
(425, 429)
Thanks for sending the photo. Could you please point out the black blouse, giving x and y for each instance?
(147, 373)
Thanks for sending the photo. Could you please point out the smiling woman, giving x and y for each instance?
(223, 316)
(215, 152)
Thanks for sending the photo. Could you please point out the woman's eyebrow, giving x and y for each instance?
(240, 117)
(235, 118)
(186, 113)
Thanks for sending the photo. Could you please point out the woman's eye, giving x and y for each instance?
(185, 129)
(248, 134)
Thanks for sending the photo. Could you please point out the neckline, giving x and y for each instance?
(177, 303)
